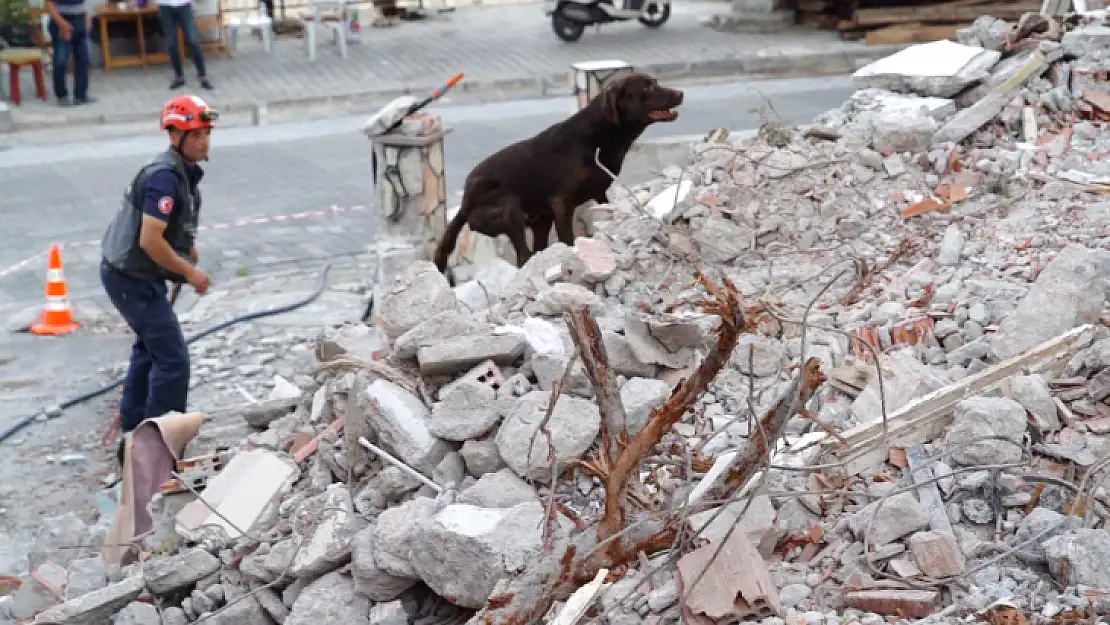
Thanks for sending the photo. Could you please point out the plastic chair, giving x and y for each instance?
(263, 24)
(329, 14)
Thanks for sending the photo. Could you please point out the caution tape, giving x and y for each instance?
(238, 223)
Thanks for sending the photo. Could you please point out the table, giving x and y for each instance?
(112, 13)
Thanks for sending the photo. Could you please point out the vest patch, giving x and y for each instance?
(165, 205)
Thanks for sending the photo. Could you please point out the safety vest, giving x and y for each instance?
(120, 246)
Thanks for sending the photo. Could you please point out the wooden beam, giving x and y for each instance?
(925, 417)
(942, 13)
(911, 33)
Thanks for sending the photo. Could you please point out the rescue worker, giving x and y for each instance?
(152, 241)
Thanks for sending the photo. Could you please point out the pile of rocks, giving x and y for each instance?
(408, 478)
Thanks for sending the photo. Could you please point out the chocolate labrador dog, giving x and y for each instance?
(542, 180)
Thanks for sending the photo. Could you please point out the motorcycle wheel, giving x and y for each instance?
(565, 29)
(657, 19)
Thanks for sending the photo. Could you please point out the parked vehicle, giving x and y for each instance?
(569, 18)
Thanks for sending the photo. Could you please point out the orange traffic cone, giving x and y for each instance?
(57, 318)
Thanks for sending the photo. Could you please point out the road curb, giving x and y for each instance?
(555, 85)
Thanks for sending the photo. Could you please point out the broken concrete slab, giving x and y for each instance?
(940, 69)
(95, 607)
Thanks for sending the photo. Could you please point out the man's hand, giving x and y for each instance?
(66, 30)
(88, 22)
(194, 254)
(198, 280)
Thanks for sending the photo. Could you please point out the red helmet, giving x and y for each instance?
(187, 112)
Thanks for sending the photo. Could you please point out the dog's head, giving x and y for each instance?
(639, 98)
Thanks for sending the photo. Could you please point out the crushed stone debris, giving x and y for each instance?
(942, 235)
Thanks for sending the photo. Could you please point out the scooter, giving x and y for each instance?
(569, 18)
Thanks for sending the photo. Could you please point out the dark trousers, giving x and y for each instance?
(181, 16)
(158, 378)
(78, 46)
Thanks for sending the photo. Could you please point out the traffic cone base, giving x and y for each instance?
(57, 319)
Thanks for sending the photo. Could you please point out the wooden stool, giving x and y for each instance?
(16, 58)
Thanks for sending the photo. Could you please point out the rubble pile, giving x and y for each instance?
(951, 285)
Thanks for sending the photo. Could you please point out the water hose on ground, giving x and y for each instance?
(69, 403)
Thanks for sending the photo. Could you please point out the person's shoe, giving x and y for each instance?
(177, 83)
(83, 101)
(64, 102)
(207, 84)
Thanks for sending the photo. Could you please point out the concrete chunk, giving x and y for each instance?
(640, 396)
(976, 417)
(464, 550)
(1069, 292)
(95, 607)
(330, 599)
(468, 410)
(461, 353)
(419, 293)
(370, 580)
(167, 575)
(890, 519)
(138, 613)
(327, 546)
(401, 422)
(937, 554)
(501, 489)
(574, 425)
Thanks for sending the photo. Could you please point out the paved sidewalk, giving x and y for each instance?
(505, 51)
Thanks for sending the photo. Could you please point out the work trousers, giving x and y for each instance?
(158, 378)
(78, 47)
(172, 18)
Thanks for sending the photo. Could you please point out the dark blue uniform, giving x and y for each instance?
(158, 377)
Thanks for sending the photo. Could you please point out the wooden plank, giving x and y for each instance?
(925, 417)
(942, 13)
(911, 33)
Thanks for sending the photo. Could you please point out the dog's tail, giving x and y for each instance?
(447, 242)
(473, 193)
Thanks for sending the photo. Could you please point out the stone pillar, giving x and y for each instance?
(411, 185)
(591, 77)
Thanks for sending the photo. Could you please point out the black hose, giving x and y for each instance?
(69, 403)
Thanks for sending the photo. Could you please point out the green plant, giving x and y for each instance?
(15, 12)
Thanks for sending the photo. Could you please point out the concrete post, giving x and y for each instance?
(412, 186)
(591, 77)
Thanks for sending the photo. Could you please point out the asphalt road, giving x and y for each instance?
(68, 192)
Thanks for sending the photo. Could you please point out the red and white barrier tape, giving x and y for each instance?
(239, 223)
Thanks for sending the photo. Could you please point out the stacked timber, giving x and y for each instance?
(881, 22)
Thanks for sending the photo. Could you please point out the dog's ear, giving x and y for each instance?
(610, 99)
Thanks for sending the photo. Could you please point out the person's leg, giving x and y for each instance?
(61, 59)
(169, 377)
(132, 298)
(192, 35)
(80, 45)
(168, 18)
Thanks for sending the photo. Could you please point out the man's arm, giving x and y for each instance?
(63, 24)
(158, 205)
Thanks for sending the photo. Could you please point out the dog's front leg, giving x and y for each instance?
(564, 220)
